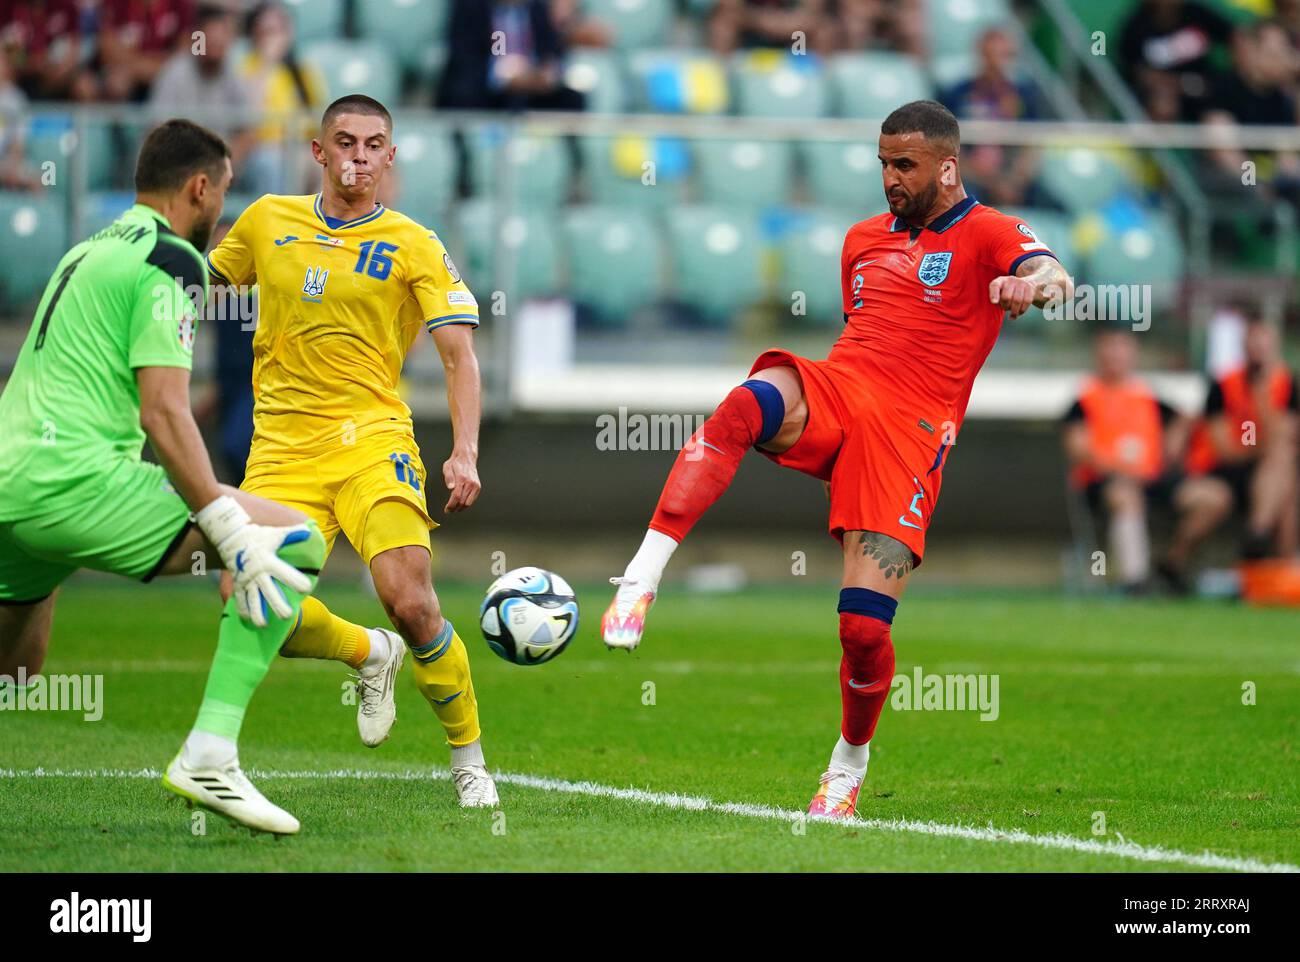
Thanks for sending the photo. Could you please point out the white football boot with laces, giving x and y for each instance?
(376, 709)
(474, 787)
(624, 620)
(227, 791)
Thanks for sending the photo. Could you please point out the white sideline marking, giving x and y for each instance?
(1122, 848)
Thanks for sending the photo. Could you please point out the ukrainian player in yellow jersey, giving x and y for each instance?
(345, 287)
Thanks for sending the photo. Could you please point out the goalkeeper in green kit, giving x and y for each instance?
(106, 365)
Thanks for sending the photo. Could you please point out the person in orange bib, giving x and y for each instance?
(1122, 442)
(1248, 439)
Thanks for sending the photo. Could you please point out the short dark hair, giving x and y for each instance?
(928, 117)
(356, 104)
(175, 151)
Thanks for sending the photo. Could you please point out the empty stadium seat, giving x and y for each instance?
(406, 27)
(1083, 178)
(617, 170)
(426, 165)
(1147, 252)
(53, 137)
(485, 233)
(598, 76)
(810, 264)
(953, 26)
(678, 82)
(355, 66)
(539, 165)
(774, 83)
(874, 83)
(100, 209)
(616, 260)
(33, 236)
(716, 256)
(845, 174)
(634, 23)
(317, 19)
(746, 172)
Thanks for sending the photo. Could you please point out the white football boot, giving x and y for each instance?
(227, 791)
(376, 709)
(624, 620)
(474, 787)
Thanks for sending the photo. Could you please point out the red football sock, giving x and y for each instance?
(707, 464)
(866, 674)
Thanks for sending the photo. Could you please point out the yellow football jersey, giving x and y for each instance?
(339, 304)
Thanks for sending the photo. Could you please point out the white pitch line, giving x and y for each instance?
(1121, 848)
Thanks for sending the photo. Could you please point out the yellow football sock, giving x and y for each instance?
(323, 634)
(442, 674)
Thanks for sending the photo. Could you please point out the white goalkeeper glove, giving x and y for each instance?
(249, 552)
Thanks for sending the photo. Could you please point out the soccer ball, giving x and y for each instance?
(529, 616)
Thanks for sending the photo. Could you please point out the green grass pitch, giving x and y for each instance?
(1132, 710)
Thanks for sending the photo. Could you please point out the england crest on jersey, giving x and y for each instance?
(314, 284)
(934, 268)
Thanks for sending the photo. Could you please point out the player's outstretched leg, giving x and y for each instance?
(867, 663)
(753, 413)
(206, 771)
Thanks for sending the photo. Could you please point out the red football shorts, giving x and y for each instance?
(884, 465)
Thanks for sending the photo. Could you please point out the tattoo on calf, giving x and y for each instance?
(895, 558)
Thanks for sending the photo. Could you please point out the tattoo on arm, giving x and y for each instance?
(894, 557)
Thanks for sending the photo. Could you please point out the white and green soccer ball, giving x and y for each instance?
(529, 615)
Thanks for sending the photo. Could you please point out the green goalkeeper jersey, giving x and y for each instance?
(124, 298)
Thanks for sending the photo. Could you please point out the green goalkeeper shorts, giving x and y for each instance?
(128, 522)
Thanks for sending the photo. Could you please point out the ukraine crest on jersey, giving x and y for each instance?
(339, 304)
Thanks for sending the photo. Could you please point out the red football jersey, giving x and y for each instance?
(918, 318)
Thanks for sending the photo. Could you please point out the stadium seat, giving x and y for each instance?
(716, 258)
(102, 208)
(317, 19)
(616, 260)
(1053, 228)
(810, 264)
(617, 170)
(598, 76)
(539, 165)
(355, 66)
(953, 26)
(54, 137)
(747, 172)
(872, 84)
(406, 27)
(426, 164)
(33, 236)
(678, 82)
(485, 233)
(774, 83)
(845, 174)
(635, 23)
(1147, 252)
(1083, 178)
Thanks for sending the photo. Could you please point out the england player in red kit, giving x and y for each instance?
(925, 288)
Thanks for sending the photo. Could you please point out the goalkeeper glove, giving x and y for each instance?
(249, 552)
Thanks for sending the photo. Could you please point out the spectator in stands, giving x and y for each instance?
(823, 26)
(15, 172)
(505, 55)
(1248, 441)
(1257, 90)
(202, 78)
(579, 30)
(1121, 441)
(1165, 49)
(282, 87)
(42, 41)
(1000, 176)
(136, 37)
(1287, 13)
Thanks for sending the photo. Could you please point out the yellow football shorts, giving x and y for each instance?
(341, 487)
